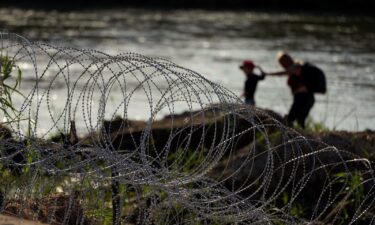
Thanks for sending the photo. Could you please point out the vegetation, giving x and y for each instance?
(7, 69)
(315, 127)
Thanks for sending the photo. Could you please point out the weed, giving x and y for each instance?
(8, 67)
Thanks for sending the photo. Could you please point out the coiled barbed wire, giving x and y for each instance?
(73, 153)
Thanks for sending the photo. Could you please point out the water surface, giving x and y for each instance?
(213, 43)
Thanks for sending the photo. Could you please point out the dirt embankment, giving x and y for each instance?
(14, 220)
(209, 129)
(249, 142)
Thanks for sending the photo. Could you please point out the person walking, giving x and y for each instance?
(251, 81)
(304, 79)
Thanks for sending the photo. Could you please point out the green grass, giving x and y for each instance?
(315, 127)
(9, 69)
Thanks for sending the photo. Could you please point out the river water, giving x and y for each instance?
(214, 43)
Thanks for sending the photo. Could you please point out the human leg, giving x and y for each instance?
(306, 103)
(293, 112)
(250, 101)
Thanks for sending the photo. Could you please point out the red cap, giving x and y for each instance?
(248, 64)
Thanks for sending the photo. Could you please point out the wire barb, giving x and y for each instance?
(78, 155)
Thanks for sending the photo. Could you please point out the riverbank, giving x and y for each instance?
(248, 152)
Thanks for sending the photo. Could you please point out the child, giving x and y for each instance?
(251, 82)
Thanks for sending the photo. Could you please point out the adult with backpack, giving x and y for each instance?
(304, 79)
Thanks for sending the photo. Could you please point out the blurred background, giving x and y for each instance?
(213, 37)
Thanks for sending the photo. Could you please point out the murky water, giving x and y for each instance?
(214, 44)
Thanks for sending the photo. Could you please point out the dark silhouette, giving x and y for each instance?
(251, 82)
(304, 79)
(12, 151)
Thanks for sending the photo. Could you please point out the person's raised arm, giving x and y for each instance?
(262, 73)
(279, 73)
(293, 69)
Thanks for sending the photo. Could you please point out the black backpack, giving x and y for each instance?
(315, 78)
